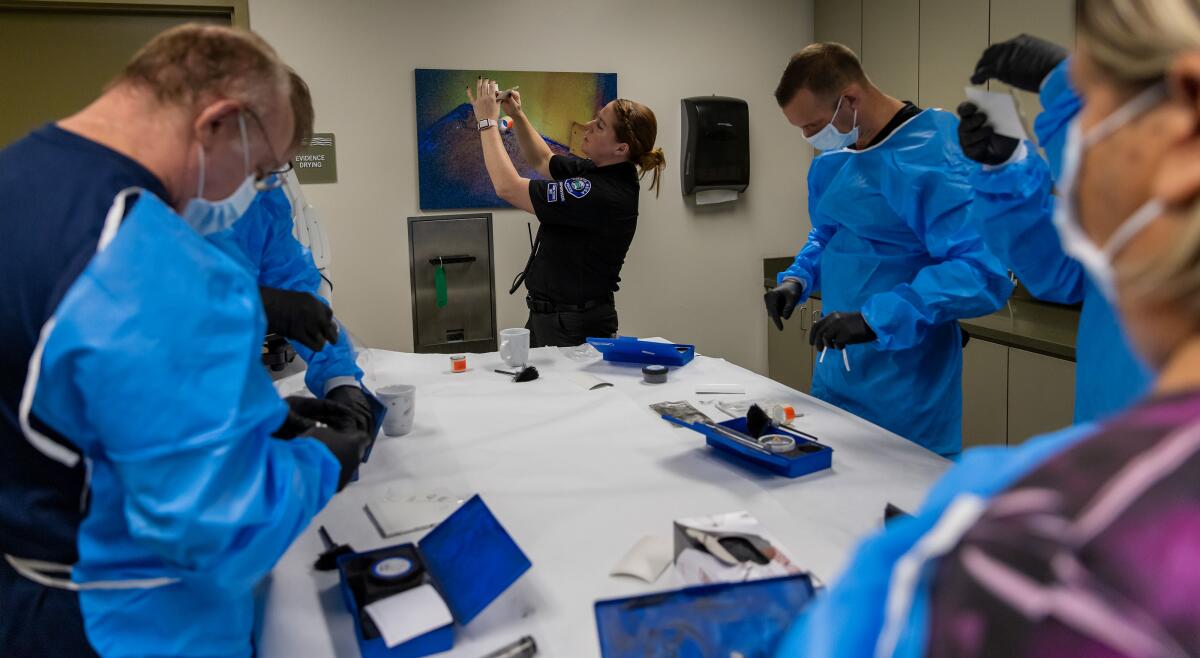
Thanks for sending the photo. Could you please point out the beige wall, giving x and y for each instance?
(693, 274)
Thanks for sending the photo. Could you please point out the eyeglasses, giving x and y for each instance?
(274, 179)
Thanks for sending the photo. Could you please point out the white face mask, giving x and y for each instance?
(1096, 260)
(829, 138)
(208, 217)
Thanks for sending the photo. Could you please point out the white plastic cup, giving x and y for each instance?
(401, 402)
(514, 347)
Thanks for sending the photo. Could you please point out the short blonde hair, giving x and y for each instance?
(1134, 42)
(195, 63)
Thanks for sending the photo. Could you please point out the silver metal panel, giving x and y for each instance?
(468, 321)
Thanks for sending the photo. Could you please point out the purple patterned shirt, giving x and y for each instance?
(1094, 554)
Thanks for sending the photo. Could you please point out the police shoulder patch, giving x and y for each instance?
(577, 187)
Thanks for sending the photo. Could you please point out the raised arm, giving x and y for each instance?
(509, 184)
(533, 147)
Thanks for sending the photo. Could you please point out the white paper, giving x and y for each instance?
(409, 614)
(398, 515)
(647, 559)
(697, 567)
(707, 197)
(1002, 112)
(589, 382)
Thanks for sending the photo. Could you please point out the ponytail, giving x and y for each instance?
(637, 127)
(654, 161)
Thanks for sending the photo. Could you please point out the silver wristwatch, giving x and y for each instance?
(484, 124)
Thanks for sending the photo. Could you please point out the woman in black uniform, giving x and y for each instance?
(587, 212)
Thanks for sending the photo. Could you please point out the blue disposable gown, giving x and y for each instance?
(890, 239)
(1014, 210)
(150, 368)
(848, 621)
(262, 241)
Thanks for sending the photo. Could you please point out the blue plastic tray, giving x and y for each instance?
(627, 349)
(809, 456)
(725, 619)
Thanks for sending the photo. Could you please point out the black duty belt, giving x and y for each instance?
(544, 306)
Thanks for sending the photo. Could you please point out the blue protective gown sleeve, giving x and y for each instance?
(265, 235)
(847, 621)
(1012, 211)
(248, 501)
(204, 485)
(153, 369)
(806, 267)
(1060, 104)
(963, 280)
(1015, 203)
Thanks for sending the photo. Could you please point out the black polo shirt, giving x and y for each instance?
(588, 216)
(907, 112)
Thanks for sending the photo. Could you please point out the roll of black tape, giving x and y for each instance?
(654, 374)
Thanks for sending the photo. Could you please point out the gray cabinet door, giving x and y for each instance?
(55, 57)
(1053, 20)
(1041, 395)
(790, 359)
(890, 39)
(985, 394)
(953, 35)
(839, 21)
(789, 356)
(814, 314)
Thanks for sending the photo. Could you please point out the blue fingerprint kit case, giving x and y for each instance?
(809, 455)
(724, 619)
(626, 349)
(470, 559)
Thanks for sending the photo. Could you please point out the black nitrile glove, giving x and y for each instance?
(838, 330)
(304, 413)
(781, 301)
(1023, 62)
(355, 401)
(347, 447)
(299, 316)
(979, 141)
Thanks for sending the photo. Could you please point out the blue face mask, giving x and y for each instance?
(208, 217)
(830, 138)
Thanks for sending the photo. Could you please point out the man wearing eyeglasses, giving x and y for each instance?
(150, 475)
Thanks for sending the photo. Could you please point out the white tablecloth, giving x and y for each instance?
(577, 477)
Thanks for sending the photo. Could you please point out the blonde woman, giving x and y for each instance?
(1084, 542)
(587, 210)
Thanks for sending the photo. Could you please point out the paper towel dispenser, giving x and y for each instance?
(716, 145)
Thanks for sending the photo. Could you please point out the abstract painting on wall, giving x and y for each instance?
(449, 155)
